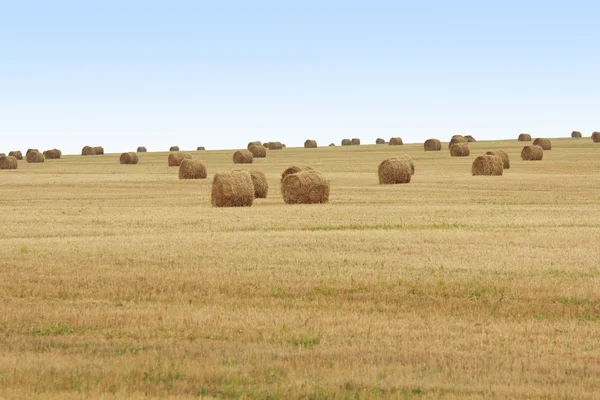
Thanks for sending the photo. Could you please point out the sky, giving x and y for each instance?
(219, 74)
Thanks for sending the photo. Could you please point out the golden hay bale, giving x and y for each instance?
(294, 169)
(470, 139)
(16, 154)
(261, 186)
(380, 141)
(524, 137)
(543, 143)
(253, 144)
(503, 156)
(532, 153)
(432, 145)
(141, 149)
(258, 151)
(488, 164)
(310, 144)
(174, 148)
(176, 158)
(394, 170)
(355, 142)
(30, 150)
(128, 158)
(275, 146)
(200, 148)
(331, 144)
(457, 139)
(243, 157)
(596, 137)
(576, 134)
(99, 150)
(8, 162)
(52, 154)
(305, 187)
(192, 169)
(88, 151)
(459, 150)
(35, 157)
(233, 189)
(346, 142)
(396, 141)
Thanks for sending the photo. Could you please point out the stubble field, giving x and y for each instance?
(121, 280)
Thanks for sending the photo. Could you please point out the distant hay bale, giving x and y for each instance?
(88, 151)
(30, 150)
(258, 151)
(257, 143)
(532, 153)
(543, 143)
(177, 157)
(503, 156)
(457, 139)
(200, 148)
(174, 148)
(596, 137)
(266, 144)
(524, 137)
(275, 146)
(576, 134)
(141, 149)
(459, 150)
(380, 141)
(488, 164)
(393, 171)
(355, 142)
(35, 157)
(432, 145)
(243, 157)
(331, 144)
(233, 189)
(396, 141)
(192, 169)
(8, 162)
(470, 139)
(346, 142)
(305, 187)
(294, 169)
(283, 146)
(52, 154)
(310, 144)
(99, 150)
(261, 186)
(16, 154)
(128, 158)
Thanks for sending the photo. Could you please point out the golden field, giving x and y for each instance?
(123, 281)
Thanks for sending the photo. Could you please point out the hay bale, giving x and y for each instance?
(543, 143)
(88, 151)
(253, 144)
(174, 148)
(16, 154)
(141, 149)
(192, 169)
(346, 142)
(380, 141)
(233, 189)
(261, 186)
(176, 158)
(266, 145)
(524, 137)
(99, 150)
(488, 164)
(457, 139)
(8, 162)
(355, 142)
(503, 156)
(532, 153)
(275, 146)
(596, 137)
(310, 144)
(243, 157)
(35, 157)
(294, 169)
(200, 148)
(30, 150)
(331, 144)
(305, 187)
(283, 146)
(459, 150)
(432, 145)
(258, 151)
(396, 141)
(394, 170)
(128, 158)
(470, 139)
(576, 134)
(52, 154)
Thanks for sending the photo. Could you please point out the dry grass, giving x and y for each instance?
(125, 282)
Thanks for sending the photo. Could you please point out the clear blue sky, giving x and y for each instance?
(221, 73)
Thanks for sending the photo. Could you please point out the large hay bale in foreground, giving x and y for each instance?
(470, 139)
(503, 156)
(99, 150)
(310, 144)
(457, 139)
(346, 142)
(396, 141)
(8, 162)
(524, 137)
(576, 134)
(488, 164)
(305, 187)
(30, 150)
(35, 157)
(243, 157)
(88, 151)
(52, 154)
(543, 143)
(596, 137)
(177, 157)
(275, 146)
(355, 142)
(459, 150)
(380, 141)
(394, 170)
(128, 158)
(200, 148)
(141, 149)
(261, 186)
(532, 153)
(192, 169)
(258, 151)
(174, 148)
(294, 169)
(16, 154)
(233, 189)
(432, 145)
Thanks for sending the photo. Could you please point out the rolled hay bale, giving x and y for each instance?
(88, 151)
(396, 141)
(35, 157)
(200, 148)
(128, 158)
(253, 144)
(470, 139)
(576, 134)
(8, 162)
(261, 186)
(99, 150)
(233, 189)
(174, 148)
(457, 139)
(243, 157)
(355, 142)
(294, 169)
(192, 169)
(52, 154)
(331, 144)
(394, 170)
(543, 143)
(596, 137)
(177, 157)
(346, 142)
(305, 187)
(141, 149)
(30, 150)
(380, 141)
(459, 150)
(266, 144)
(258, 151)
(532, 153)
(16, 154)
(275, 146)
(432, 145)
(503, 156)
(488, 164)
(310, 144)
(524, 137)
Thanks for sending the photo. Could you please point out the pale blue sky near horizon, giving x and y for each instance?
(219, 74)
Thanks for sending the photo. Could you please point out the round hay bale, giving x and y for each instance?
(8, 162)
(432, 145)
(543, 143)
(266, 144)
(174, 148)
(355, 142)
(532, 153)
(258, 151)
(99, 150)
(52, 154)
(380, 141)
(331, 144)
(243, 157)
(305, 187)
(253, 144)
(346, 142)
(141, 149)
(275, 146)
(261, 186)
(176, 158)
(35, 157)
(459, 150)
(457, 139)
(488, 164)
(470, 139)
(200, 148)
(503, 156)
(393, 171)
(310, 144)
(192, 169)
(596, 137)
(396, 141)
(30, 150)
(233, 189)
(128, 158)
(294, 169)
(88, 151)
(576, 134)
(524, 137)
(16, 154)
